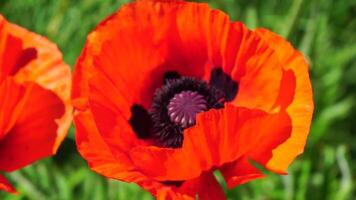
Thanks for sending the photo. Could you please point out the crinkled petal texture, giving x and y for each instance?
(35, 110)
(124, 61)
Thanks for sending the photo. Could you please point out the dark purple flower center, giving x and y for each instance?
(176, 104)
(183, 107)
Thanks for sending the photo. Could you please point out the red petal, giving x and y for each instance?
(38, 60)
(111, 113)
(12, 53)
(33, 135)
(219, 137)
(99, 156)
(204, 187)
(149, 38)
(255, 67)
(10, 95)
(14, 56)
(295, 96)
(119, 166)
(5, 185)
(239, 172)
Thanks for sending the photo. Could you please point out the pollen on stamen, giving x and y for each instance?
(184, 106)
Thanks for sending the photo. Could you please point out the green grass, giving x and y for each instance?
(324, 30)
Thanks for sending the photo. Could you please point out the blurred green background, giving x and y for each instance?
(324, 30)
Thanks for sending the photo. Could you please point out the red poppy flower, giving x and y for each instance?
(166, 92)
(35, 113)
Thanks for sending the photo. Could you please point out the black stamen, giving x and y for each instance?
(169, 76)
(173, 183)
(168, 130)
(222, 81)
(140, 121)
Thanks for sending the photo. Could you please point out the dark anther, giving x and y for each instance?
(140, 121)
(173, 183)
(224, 83)
(169, 76)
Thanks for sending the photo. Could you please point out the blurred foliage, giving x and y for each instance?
(324, 30)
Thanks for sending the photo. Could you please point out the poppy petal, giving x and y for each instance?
(239, 172)
(10, 95)
(14, 56)
(150, 38)
(99, 156)
(84, 65)
(20, 146)
(255, 66)
(233, 133)
(298, 103)
(40, 61)
(119, 166)
(5, 185)
(111, 113)
(204, 187)
(133, 56)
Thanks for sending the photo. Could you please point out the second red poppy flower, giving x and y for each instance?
(35, 109)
